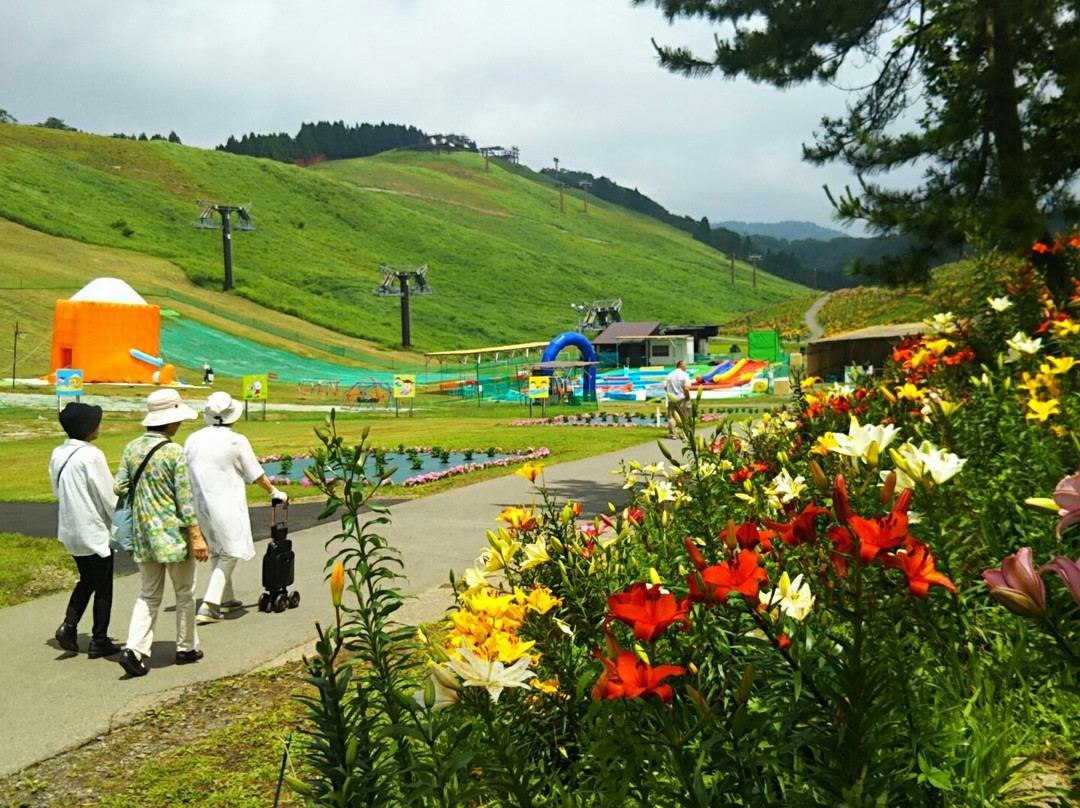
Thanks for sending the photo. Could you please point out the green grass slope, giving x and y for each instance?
(504, 262)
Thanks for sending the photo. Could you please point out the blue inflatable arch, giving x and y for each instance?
(572, 339)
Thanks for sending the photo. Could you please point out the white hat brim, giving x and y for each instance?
(181, 412)
(229, 416)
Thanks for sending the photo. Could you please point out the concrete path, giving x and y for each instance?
(54, 701)
(810, 317)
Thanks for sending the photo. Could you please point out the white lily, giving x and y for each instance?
(999, 304)
(491, 674)
(792, 596)
(1022, 343)
(783, 488)
(859, 440)
(445, 686)
(535, 554)
(938, 463)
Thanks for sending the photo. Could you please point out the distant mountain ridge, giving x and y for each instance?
(787, 230)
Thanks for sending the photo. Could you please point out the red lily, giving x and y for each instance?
(843, 548)
(801, 528)
(649, 609)
(882, 532)
(749, 537)
(917, 564)
(741, 575)
(627, 677)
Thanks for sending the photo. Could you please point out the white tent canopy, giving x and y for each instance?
(109, 290)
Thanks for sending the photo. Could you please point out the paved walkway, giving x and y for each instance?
(54, 701)
(811, 316)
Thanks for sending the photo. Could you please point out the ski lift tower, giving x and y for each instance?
(207, 222)
(409, 282)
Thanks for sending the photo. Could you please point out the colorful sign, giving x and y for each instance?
(256, 387)
(69, 382)
(404, 386)
(539, 387)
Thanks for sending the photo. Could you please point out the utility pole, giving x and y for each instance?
(15, 351)
(562, 186)
(206, 221)
(585, 193)
(409, 281)
(732, 257)
(753, 260)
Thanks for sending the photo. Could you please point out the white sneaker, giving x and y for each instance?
(208, 614)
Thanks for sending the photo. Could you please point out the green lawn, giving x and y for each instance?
(32, 568)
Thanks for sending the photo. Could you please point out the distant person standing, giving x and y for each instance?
(82, 484)
(166, 534)
(207, 373)
(220, 462)
(677, 387)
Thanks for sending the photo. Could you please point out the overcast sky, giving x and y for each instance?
(573, 79)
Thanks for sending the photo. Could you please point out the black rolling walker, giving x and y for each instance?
(279, 565)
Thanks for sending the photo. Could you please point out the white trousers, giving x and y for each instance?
(220, 588)
(144, 615)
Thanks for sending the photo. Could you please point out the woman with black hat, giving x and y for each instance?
(82, 484)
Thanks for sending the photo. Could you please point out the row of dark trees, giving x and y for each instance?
(828, 268)
(329, 141)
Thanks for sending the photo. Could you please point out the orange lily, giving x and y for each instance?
(627, 677)
(649, 609)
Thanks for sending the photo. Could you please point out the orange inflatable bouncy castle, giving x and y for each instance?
(109, 332)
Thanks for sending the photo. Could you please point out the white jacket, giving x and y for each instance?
(220, 463)
(85, 493)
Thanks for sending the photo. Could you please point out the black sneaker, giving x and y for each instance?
(103, 647)
(131, 663)
(68, 637)
(187, 657)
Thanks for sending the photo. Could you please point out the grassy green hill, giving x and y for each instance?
(504, 262)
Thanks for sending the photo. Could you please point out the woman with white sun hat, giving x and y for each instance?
(166, 535)
(221, 461)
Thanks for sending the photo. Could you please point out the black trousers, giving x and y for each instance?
(95, 578)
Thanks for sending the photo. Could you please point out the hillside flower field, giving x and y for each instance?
(868, 597)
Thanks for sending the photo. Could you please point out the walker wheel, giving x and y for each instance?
(264, 602)
(294, 600)
(281, 602)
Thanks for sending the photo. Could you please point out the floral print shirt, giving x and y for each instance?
(163, 501)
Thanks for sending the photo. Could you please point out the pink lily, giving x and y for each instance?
(1067, 497)
(1017, 586)
(1069, 572)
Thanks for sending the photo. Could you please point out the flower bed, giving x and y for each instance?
(625, 419)
(432, 462)
(806, 613)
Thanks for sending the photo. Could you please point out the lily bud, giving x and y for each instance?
(731, 535)
(654, 577)
(841, 505)
(612, 646)
(818, 476)
(888, 488)
(696, 557)
(665, 451)
(1042, 504)
(556, 545)
(745, 683)
(697, 700)
(429, 692)
(782, 456)
(1017, 585)
(641, 653)
(873, 454)
(337, 584)
(664, 519)
(748, 486)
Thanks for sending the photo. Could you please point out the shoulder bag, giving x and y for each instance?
(122, 533)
